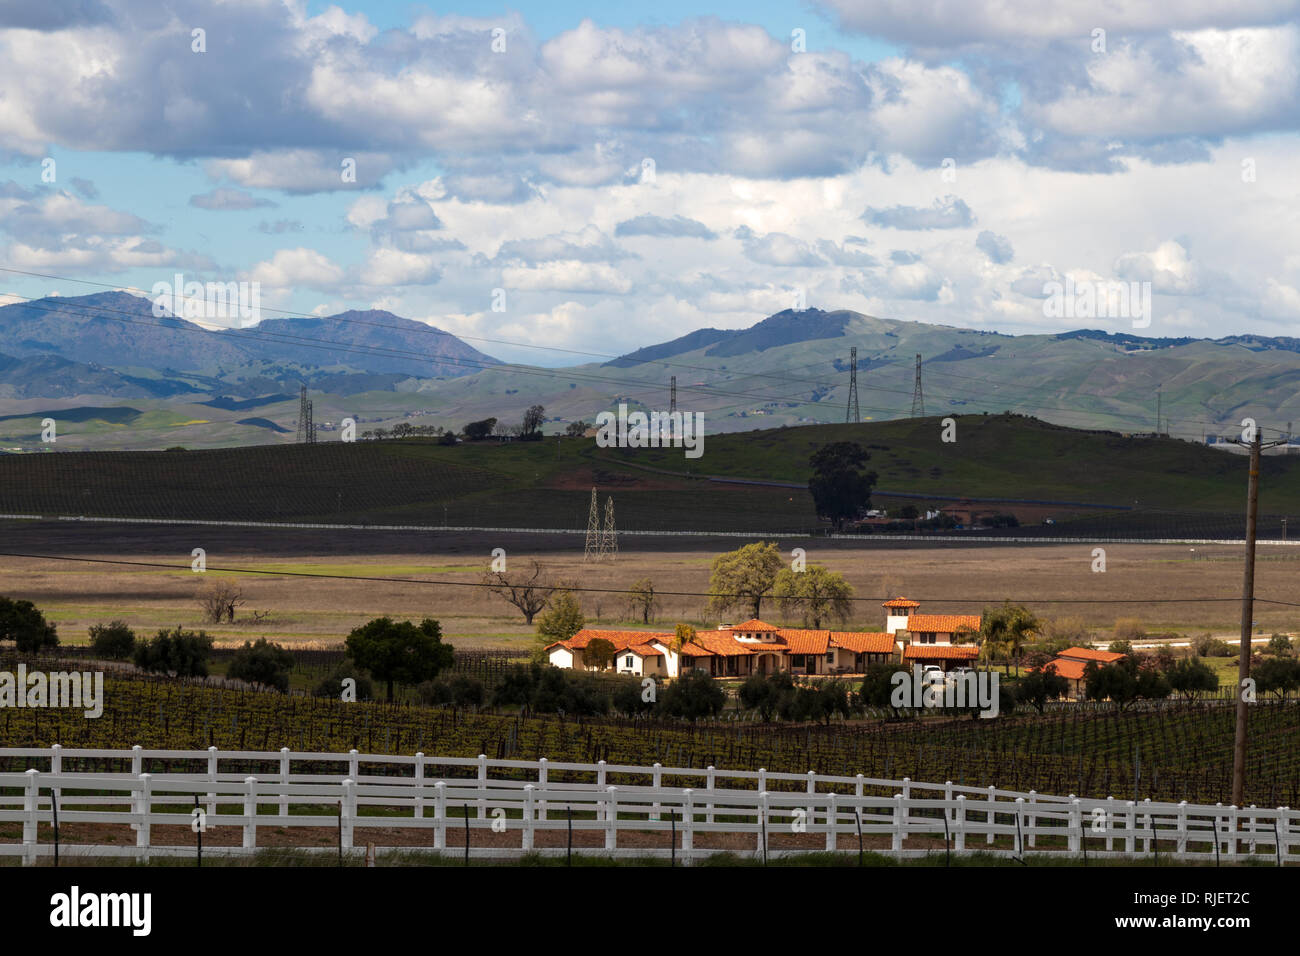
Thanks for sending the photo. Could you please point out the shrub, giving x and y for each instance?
(332, 686)
(693, 695)
(262, 663)
(178, 652)
(115, 641)
(23, 623)
(459, 690)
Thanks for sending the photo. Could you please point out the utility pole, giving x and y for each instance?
(851, 412)
(1247, 615)
(1157, 409)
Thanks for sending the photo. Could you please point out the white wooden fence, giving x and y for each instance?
(676, 806)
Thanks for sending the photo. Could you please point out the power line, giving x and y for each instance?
(566, 587)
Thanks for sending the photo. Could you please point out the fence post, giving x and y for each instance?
(1284, 832)
(708, 807)
(419, 784)
(56, 767)
(1020, 814)
(482, 786)
(440, 814)
(991, 818)
(688, 826)
(349, 811)
(1182, 828)
(657, 779)
(857, 790)
(31, 806)
(284, 781)
(900, 813)
(959, 840)
(250, 813)
(1130, 827)
(762, 817)
(1253, 824)
(541, 783)
(212, 778)
(1032, 820)
(1076, 825)
(600, 774)
(354, 766)
(137, 761)
(1110, 823)
(527, 841)
(832, 818)
(1233, 820)
(907, 788)
(1151, 825)
(611, 817)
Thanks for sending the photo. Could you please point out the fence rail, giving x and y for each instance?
(658, 811)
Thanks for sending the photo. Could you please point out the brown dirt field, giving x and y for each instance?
(946, 579)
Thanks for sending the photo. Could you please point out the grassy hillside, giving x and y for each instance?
(548, 483)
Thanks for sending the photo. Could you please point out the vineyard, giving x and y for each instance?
(1172, 752)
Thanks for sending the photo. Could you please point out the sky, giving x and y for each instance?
(547, 176)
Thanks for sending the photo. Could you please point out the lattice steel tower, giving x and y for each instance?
(304, 415)
(851, 413)
(672, 395)
(592, 548)
(609, 539)
(918, 397)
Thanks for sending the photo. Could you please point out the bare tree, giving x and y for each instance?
(218, 600)
(529, 592)
(641, 597)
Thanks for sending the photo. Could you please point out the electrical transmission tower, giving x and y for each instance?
(851, 413)
(609, 539)
(304, 416)
(593, 546)
(311, 425)
(672, 395)
(918, 397)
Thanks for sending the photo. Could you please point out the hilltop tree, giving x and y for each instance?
(23, 623)
(1039, 686)
(576, 429)
(742, 578)
(562, 619)
(840, 488)
(400, 653)
(817, 593)
(529, 592)
(1277, 675)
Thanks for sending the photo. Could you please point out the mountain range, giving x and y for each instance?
(197, 386)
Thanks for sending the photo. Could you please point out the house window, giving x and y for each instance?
(796, 660)
(830, 657)
(628, 662)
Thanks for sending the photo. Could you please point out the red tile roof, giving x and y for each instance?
(901, 602)
(965, 652)
(942, 623)
(754, 625)
(801, 641)
(1070, 670)
(861, 642)
(620, 639)
(1088, 654)
(642, 650)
